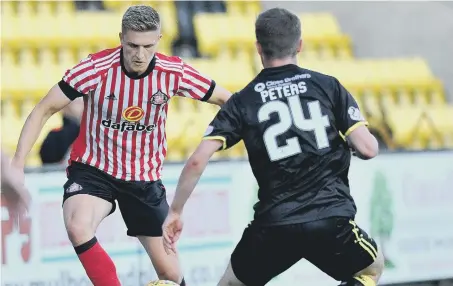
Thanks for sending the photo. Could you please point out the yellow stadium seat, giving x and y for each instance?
(234, 7)
(243, 7)
(26, 107)
(174, 129)
(240, 31)
(225, 73)
(375, 73)
(442, 117)
(64, 7)
(115, 5)
(66, 58)
(33, 160)
(319, 30)
(410, 126)
(371, 105)
(48, 32)
(252, 7)
(27, 58)
(7, 8)
(45, 8)
(46, 57)
(25, 9)
(192, 133)
(322, 24)
(8, 57)
(387, 97)
(404, 97)
(436, 94)
(10, 124)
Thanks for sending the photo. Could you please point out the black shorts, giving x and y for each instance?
(143, 205)
(336, 245)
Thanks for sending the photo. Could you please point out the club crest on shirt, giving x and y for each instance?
(158, 98)
(208, 130)
(355, 114)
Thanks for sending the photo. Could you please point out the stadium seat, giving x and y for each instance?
(49, 33)
(442, 119)
(233, 75)
(321, 31)
(409, 126)
(10, 124)
(399, 93)
(421, 127)
(243, 7)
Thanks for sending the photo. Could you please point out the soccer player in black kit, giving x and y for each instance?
(290, 119)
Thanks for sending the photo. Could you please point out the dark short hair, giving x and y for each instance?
(278, 31)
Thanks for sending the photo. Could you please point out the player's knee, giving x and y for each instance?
(79, 230)
(378, 265)
(374, 271)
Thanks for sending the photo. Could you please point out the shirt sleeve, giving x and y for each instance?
(80, 80)
(195, 85)
(226, 126)
(348, 113)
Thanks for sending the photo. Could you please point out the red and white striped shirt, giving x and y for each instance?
(122, 130)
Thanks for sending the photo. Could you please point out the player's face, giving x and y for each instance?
(139, 49)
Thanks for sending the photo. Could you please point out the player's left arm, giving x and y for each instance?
(351, 123)
(197, 86)
(222, 133)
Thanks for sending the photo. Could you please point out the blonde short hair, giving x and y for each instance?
(140, 18)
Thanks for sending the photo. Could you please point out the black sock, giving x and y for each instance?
(183, 282)
(85, 246)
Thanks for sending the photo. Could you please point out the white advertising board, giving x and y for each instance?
(404, 200)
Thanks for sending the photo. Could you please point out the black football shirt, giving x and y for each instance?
(290, 119)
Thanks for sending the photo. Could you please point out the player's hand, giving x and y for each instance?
(13, 186)
(171, 231)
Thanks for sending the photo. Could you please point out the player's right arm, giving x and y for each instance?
(77, 82)
(353, 125)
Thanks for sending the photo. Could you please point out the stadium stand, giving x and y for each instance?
(404, 102)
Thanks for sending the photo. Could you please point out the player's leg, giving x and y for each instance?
(167, 266)
(370, 275)
(262, 254)
(86, 204)
(144, 208)
(229, 278)
(341, 249)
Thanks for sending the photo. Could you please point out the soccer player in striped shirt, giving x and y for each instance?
(121, 146)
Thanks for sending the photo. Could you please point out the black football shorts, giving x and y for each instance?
(336, 245)
(143, 205)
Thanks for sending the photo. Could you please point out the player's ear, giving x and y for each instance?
(258, 48)
(299, 46)
(121, 37)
